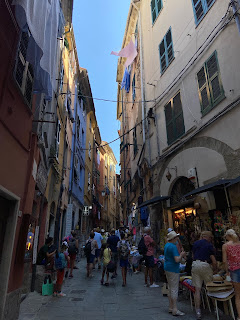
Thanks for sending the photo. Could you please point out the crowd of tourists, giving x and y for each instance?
(108, 250)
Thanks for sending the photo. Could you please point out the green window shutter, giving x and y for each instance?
(215, 87)
(204, 94)
(159, 5)
(174, 119)
(153, 9)
(169, 46)
(162, 56)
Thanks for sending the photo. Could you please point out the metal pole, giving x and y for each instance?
(235, 13)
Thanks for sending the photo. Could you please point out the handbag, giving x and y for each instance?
(111, 266)
(47, 286)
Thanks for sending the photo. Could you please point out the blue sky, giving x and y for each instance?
(99, 29)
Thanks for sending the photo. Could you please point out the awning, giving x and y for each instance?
(211, 186)
(153, 200)
(234, 181)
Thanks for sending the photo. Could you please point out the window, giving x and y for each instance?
(200, 8)
(135, 147)
(57, 137)
(133, 88)
(89, 181)
(174, 119)
(106, 162)
(156, 7)
(89, 149)
(61, 78)
(210, 87)
(24, 70)
(166, 51)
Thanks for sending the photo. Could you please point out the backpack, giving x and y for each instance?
(60, 261)
(124, 251)
(142, 248)
(72, 249)
(88, 248)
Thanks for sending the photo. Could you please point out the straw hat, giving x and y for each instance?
(171, 235)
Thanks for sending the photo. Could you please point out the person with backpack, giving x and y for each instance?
(149, 258)
(89, 250)
(112, 242)
(61, 260)
(72, 250)
(123, 249)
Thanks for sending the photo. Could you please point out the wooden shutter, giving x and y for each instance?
(215, 87)
(169, 46)
(162, 53)
(159, 6)
(204, 94)
(169, 122)
(178, 116)
(153, 9)
(199, 9)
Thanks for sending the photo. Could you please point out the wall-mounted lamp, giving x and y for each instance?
(168, 175)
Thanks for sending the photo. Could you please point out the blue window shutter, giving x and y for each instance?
(166, 51)
(153, 9)
(133, 88)
(200, 8)
(159, 6)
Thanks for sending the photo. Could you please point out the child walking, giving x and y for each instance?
(106, 257)
(123, 249)
(61, 260)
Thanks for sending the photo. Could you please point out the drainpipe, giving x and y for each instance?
(235, 13)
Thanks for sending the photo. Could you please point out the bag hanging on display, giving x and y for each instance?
(47, 286)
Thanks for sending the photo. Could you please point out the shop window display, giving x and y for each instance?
(29, 243)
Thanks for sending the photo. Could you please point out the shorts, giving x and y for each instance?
(235, 275)
(123, 263)
(97, 253)
(149, 261)
(115, 257)
(60, 276)
(173, 283)
(201, 272)
(91, 258)
(72, 256)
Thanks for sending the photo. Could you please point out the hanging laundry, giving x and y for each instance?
(126, 80)
(45, 21)
(129, 52)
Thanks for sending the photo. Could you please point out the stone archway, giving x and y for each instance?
(231, 157)
(180, 187)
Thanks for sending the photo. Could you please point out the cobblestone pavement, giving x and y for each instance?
(87, 300)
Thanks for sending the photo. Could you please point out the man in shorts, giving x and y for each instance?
(202, 271)
(98, 237)
(149, 258)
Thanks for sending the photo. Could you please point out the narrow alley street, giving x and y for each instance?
(86, 299)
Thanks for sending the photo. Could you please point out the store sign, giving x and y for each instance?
(35, 245)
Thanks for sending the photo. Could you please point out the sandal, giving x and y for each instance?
(169, 310)
(179, 313)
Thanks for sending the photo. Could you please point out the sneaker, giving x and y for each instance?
(154, 285)
(54, 294)
(136, 272)
(198, 315)
(61, 294)
(179, 313)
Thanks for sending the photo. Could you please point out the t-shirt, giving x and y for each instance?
(93, 245)
(148, 241)
(171, 251)
(113, 241)
(42, 254)
(98, 237)
(202, 250)
(106, 256)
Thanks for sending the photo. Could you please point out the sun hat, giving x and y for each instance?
(171, 235)
(169, 230)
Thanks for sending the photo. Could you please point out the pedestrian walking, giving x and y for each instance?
(171, 267)
(113, 242)
(149, 258)
(231, 259)
(72, 250)
(98, 237)
(202, 271)
(90, 250)
(61, 260)
(106, 257)
(123, 249)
